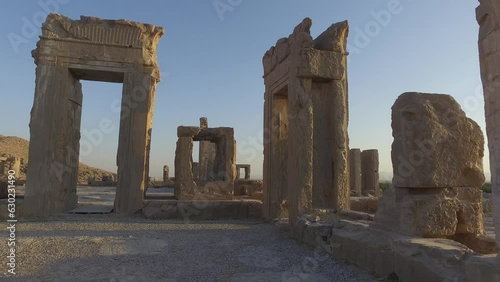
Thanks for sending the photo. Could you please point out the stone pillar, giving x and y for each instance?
(247, 172)
(54, 142)
(166, 173)
(134, 141)
(488, 17)
(369, 172)
(184, 182)
(300, 149)
(206, 156)
(196, 170)
(355, 171)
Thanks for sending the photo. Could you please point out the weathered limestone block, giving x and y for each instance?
(369, 172)
(166, 173)
(196, 170)
(185, 186)
(247, 187)
(432, 213)
(488, 17)
(355, 171)
(187, 131)
(435, 144)
(206, 155)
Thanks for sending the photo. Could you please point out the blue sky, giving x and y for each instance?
(211, 62)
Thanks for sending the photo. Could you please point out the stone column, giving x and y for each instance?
(369, 172)
(166, 173)
(300, 149)
(488, 17)
(247, 172)
(184, 182)
(134, 141)
(355, 171)
(206, 156)
(54, 146)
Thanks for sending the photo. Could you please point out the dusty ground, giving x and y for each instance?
(110, 248)
(72, 247)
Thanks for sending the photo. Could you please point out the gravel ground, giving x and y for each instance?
(111, 248)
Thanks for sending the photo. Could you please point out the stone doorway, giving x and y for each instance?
(68, 51)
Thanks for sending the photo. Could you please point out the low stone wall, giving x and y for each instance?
(172, 209)
(392, 255)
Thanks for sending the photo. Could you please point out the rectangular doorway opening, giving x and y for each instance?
(99, 129)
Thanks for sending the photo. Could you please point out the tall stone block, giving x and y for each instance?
(134, 142)
(305, 111)
(488, 17)
(166, 173)
(437, 166)
(355, 171)
(206, 156)
(369, 172)
(431, 147)
(184, 180)
(54, 142)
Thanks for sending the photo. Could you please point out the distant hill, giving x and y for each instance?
(12, 146)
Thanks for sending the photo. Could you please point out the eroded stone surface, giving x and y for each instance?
(435, 144)
(488, 17)
(355, 171)
(305, 111)
(431, 212)
(369, 172)
(92, 49)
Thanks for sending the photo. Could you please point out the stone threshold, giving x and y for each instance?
(215, 209)
(388, 255)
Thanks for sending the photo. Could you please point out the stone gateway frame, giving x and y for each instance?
(305, 119)
(117, 51)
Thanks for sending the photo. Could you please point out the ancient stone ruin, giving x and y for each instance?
(224, 168)
(488, 17)
(90, 49)
(437, 158)
(246, 167)
(206, 156)
(364, 177)
(305, 119)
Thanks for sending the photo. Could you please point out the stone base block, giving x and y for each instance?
(393, 256)
(364, 204)
(431, 213)
(190, 210)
